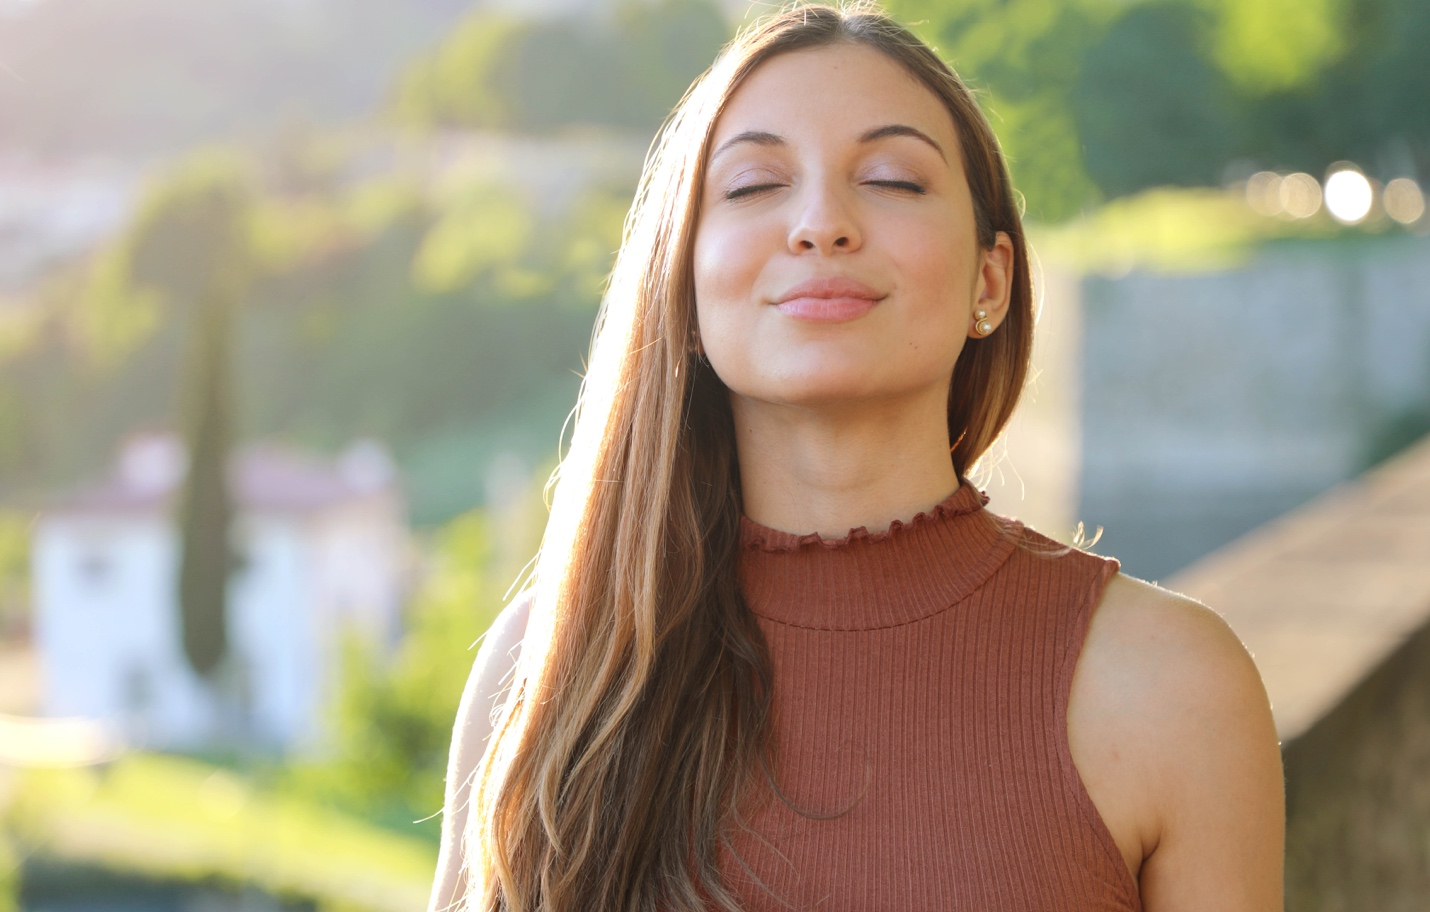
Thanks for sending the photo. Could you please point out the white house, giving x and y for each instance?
(323, 545)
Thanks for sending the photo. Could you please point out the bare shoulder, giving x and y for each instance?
(1175, 646)
(1170, 716)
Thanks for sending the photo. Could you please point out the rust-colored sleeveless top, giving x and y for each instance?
(921, 682)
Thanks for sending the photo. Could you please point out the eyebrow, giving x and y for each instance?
(763, 138)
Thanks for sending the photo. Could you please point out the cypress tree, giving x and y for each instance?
(205, 507)
(191, 243)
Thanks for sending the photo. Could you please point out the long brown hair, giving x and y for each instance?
(640, 711)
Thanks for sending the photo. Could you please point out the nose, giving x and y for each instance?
(825, 222)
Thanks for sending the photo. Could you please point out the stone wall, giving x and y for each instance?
(1358, 795)
(1211, 403)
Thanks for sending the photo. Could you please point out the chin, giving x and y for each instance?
(813, 387)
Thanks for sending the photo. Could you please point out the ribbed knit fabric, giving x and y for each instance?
(922, 677)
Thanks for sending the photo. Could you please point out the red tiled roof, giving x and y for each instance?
(263, 477)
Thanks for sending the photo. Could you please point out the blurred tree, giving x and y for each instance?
(114, 316)
(1096, 98)
(458, 82)
(500, 72)
(485, 227)
(191, 244)
(1274, 45)
(339, 337)
(660, 47)
(592, 237)
(1149, 107)
(1023, 57)
(555, 75)
(1371, 105)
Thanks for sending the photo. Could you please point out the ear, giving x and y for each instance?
(994, 288)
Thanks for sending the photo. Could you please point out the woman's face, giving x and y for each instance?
(835, 255)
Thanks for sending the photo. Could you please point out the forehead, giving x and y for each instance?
(830, 93)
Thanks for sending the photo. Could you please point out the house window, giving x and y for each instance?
(137, 694)
(137, 689)
(95, 568)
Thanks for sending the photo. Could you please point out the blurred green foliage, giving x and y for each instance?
(1022, 56)
(450, 319)
(178, 819)
(394, 716)
(1095, 99)
(450, 324)
(499, 71)
(9, 874)
(1370, 104)
(392, 720)
(14, 572)
(1169, 230)
(1395, 433)
(484, 228)
(190, 237)
(1151, 108)
(352, 827)
(1091, 99)
(1274, 45)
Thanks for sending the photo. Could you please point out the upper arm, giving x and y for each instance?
(1210, 761)
(486, 686)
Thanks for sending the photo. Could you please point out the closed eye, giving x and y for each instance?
(752, 189)
(901, 185)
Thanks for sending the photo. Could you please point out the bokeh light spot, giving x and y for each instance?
(1263, 193)
(1404, 201)
(1348, 195)
(1300, 195)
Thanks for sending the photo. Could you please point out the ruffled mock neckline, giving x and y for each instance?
(870, 580)
(965, 499)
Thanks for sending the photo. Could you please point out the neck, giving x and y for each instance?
(829, 470)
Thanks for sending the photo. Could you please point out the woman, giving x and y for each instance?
(730, 692)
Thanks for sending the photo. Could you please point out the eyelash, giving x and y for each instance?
(741, 192)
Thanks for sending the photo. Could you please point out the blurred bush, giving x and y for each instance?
(499, 71)
(393, 719)
(172, 819)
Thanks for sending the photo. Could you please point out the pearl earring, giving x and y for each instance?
(981, 324)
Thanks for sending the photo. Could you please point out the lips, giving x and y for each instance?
(828, 300)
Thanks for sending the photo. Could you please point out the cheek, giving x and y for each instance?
(937, 265)
(727, 267)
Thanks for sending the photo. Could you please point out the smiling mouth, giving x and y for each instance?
(826, 310)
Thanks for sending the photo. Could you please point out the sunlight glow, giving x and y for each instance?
(1349, 195)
